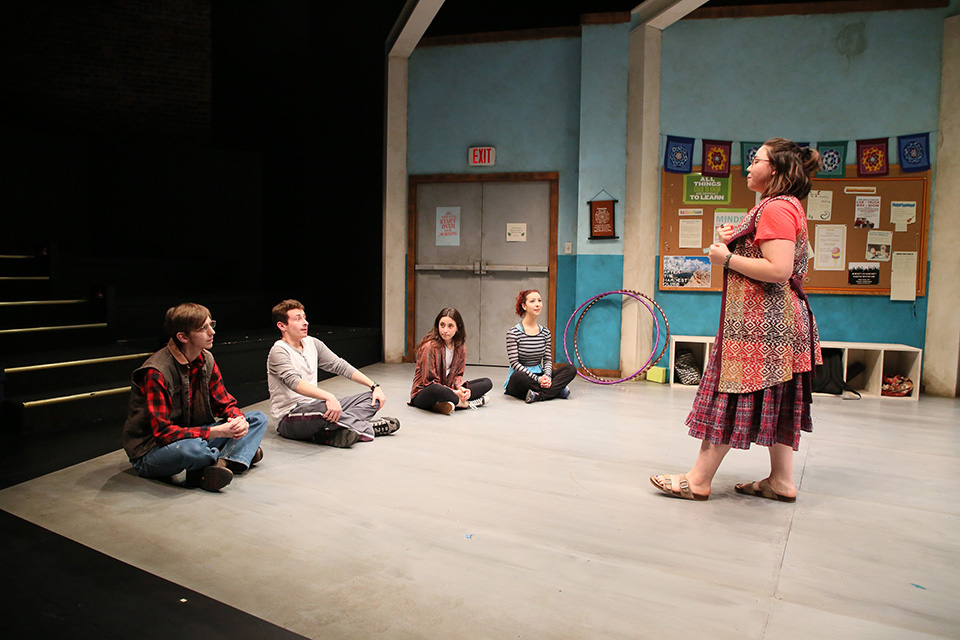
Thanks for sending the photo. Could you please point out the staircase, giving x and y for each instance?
(63, 378)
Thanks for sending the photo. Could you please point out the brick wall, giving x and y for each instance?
(115, 68)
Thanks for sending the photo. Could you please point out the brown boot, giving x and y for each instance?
(212, 478)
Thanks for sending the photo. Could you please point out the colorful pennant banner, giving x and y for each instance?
(872, 157)
(914, 152)
(678, 157)
(833, 156)
(716, 158)
(747, 151)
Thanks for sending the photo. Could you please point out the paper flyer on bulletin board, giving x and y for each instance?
(830, 253)
(903, 276)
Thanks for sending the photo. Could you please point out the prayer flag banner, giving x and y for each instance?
(678, 157)
(872, 157)
(833, 156)
(716, 158)
(747, 151)
(914, 152)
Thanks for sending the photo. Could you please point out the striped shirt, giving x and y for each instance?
(525, 351)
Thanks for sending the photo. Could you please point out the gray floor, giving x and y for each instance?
(517, 521)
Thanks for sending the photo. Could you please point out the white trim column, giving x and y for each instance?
(641, 208)
(941, 354)
(413, 22)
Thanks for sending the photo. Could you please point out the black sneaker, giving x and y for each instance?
(212, 478)
(532, 396)
(341, 438)
(479, 402)
(385, 426)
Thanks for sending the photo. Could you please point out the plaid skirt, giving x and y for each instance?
(775, 415)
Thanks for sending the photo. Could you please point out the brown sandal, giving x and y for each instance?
(676, 484)
(764, 491)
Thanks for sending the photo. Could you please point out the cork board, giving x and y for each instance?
(855, 226)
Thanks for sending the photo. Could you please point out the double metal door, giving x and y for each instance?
(482, 273)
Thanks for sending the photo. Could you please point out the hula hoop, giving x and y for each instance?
(654, 358)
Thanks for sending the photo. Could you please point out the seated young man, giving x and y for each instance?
(303, 410)
(181, 416)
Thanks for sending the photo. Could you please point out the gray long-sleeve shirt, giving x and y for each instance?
(287, 366)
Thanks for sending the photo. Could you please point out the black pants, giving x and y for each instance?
(520, 383)
(434, 393)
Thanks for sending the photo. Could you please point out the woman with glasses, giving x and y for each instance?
(757, 384)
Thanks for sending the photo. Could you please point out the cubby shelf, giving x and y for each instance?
(878, 359)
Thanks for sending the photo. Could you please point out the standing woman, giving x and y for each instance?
(438, 383)
(756, 387)
(529, 350)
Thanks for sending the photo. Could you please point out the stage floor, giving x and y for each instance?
(527, 521)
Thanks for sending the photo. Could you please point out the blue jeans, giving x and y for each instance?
(197, 453)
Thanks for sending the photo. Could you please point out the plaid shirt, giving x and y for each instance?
(158, 403)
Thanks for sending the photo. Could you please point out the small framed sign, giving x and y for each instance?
(602, 221)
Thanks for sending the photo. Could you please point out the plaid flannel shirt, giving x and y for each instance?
(158, 403)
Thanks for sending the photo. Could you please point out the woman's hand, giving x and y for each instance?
(464, 393)
(718, 253)
(545, 382)
(725, 232)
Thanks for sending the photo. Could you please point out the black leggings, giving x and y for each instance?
(520, 383)
(434, 393)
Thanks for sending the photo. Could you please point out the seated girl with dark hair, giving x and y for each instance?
(438, 383)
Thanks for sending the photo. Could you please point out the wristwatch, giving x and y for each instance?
(374, 386)
(726, 261)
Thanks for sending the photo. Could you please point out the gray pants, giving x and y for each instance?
(306, 419)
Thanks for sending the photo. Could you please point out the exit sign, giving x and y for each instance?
(481, 156)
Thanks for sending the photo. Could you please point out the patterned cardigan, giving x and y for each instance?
(767, 330)
(431, 368)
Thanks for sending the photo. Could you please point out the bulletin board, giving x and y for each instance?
(855, 226)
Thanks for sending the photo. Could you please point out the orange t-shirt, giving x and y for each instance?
(780, 221)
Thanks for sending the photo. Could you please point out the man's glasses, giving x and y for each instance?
(208, 328)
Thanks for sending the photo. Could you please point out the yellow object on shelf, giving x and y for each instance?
(657, 374)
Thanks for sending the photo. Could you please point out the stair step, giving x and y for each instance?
(106, 371)
(59, 327)
(24, 287)
(23, 313)
(40, 339)
(13, 265)
(65, 412)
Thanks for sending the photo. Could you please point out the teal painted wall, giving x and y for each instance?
(819, 77)
(560, 105)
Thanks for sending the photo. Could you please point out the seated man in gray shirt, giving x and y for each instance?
(304, 411)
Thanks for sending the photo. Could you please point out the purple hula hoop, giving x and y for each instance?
(639, 297)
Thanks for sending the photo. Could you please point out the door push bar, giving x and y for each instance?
(481, 268)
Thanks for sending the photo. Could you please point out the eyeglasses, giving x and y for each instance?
(756, 160)
(208, 328)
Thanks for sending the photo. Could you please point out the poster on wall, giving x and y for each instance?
(903, 276)
(691, 232)
(878, 245)
(819, 205)
(867, 212)
(902, 214)
(448, 226)
(831, 247)
(863, 273)
(699, 189)
(726, 216)
(691, 272)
